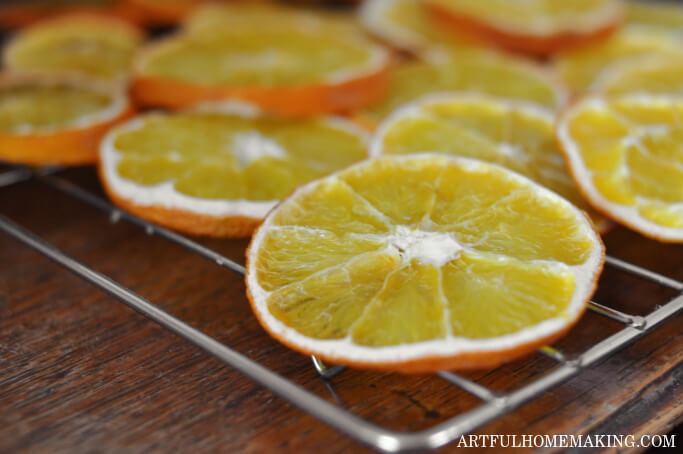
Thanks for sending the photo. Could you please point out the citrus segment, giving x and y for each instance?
(643, 187)
(467, 201)
(295, 253)
(351, 213)
(513, 293)
(407, 204)
(518, 136)
(85, 45)
(536, 27)
(411, 292)
(409, 308)
(287, 70)
(221, 163)
(476, 71)
(66, 129)
(582, 67)
(328, 304)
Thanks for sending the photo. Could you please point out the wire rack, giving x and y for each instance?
(492, 405)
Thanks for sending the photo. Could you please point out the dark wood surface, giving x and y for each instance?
(82, 373)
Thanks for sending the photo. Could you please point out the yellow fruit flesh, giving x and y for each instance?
(635, 155)
(642, 76)
(658, 15)
(100, 50)
(60, 106)
(530, 13)
(212, 19)
(366, 272)
(513, 294)
(580, 68)
(262, 57)
(472, 71)
(490, 131)
(407, 23)
(217, 156)
(412, 16)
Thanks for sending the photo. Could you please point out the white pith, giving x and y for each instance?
(435, 248)
(345, 350)
(627, 215)
(165, 195)
(252, 145)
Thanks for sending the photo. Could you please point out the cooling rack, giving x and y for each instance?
(492, 405)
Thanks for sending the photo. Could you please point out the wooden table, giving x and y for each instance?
(80, 372)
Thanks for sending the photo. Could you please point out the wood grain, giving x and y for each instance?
(80, 372)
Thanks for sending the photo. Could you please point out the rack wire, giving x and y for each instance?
(493, 404)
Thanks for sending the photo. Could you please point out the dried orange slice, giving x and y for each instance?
(535, 27)
(662, 16)
(86, 45)
(517, 135)
(287, 70)
(218, 171)
(422, 263)
(581, 68)
(56, 120)
(405, 24)
(625, 155)
(475, 71)
(655, 74)
(217, 18)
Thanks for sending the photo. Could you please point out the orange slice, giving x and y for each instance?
(217, 171)
(625, 155)
(663, 16)
(216, 18)
(517, 135)
(286, 70)
(85, 45)
(582, 67)
(654, 74)
(474, 71)
(535, 27)
(422, 263)
(405, 24)
(73, 116)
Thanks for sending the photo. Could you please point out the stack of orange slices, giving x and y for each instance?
(418, 193)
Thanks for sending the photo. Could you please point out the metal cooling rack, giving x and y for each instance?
(493, 404)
